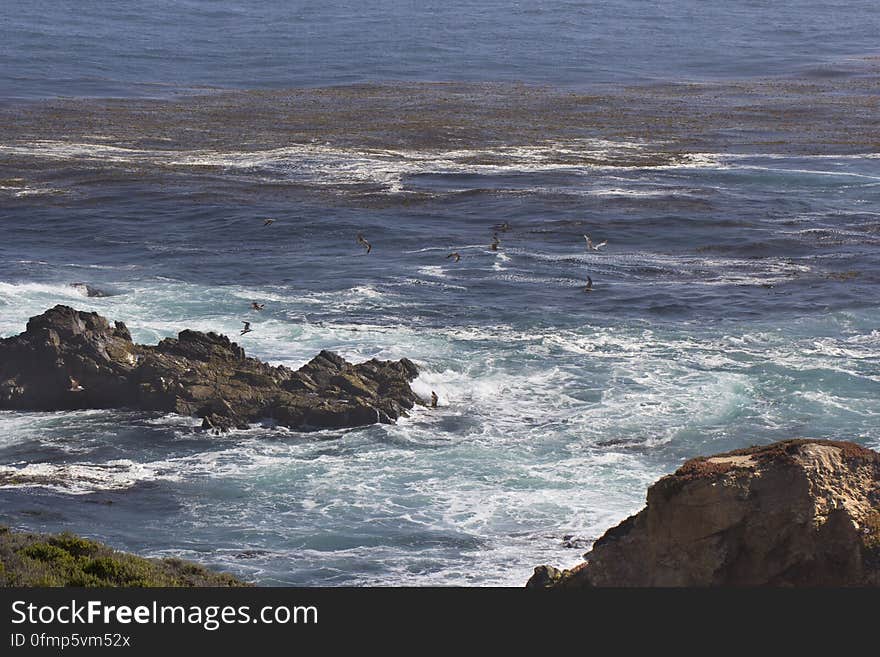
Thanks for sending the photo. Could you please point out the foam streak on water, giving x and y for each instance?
(542, 431)
(735, 302)
(557, 407)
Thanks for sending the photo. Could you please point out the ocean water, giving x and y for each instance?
(727, 152)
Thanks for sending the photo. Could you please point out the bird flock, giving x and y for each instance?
(455, 256)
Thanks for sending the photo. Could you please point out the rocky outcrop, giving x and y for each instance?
(794, 513)
(88, 290)
(67, 359)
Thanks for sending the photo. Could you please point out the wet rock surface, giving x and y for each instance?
(88, 290)
(68, 359)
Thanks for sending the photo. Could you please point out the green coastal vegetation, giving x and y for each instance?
(68, 560)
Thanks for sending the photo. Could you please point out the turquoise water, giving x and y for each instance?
(734, 304)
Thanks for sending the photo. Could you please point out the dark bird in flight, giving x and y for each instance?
(364, 243)
(589, 286)
(495, 242)
(257, 306)
(247, 328)
(74, 385)
(455, 255)
(502, 227)
(434, 399)
(268, 222)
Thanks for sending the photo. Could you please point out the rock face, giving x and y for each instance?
(67, 359)
(91, 291)
(794, 513)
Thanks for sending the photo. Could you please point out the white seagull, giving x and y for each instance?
(594, 247)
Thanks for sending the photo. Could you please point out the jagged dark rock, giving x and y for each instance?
(544, 577)
(67, 359)
(794, 513)
(89, 290)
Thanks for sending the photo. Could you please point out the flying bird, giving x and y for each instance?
(455, 255)
(268, 222)
(502, 227)
(594, 247)
(74, 385)
(257, 306)
(589, 286)
(247, 328)
(495, 242)
(364, 243)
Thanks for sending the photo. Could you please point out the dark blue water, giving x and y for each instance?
(725, 151)
(128, 47)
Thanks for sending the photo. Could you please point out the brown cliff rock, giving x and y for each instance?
(794, 513)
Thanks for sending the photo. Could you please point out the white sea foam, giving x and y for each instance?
(812, 172)
(40, 191)
(500, 260)
(388, 169)
(14, 291)
(632, 192)
(685, 269)
(540, 431)
(434, 271)
(76, 478)
(81, 265)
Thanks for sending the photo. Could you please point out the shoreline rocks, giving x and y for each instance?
(68, 359)
(88, 290)
(793, 513)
